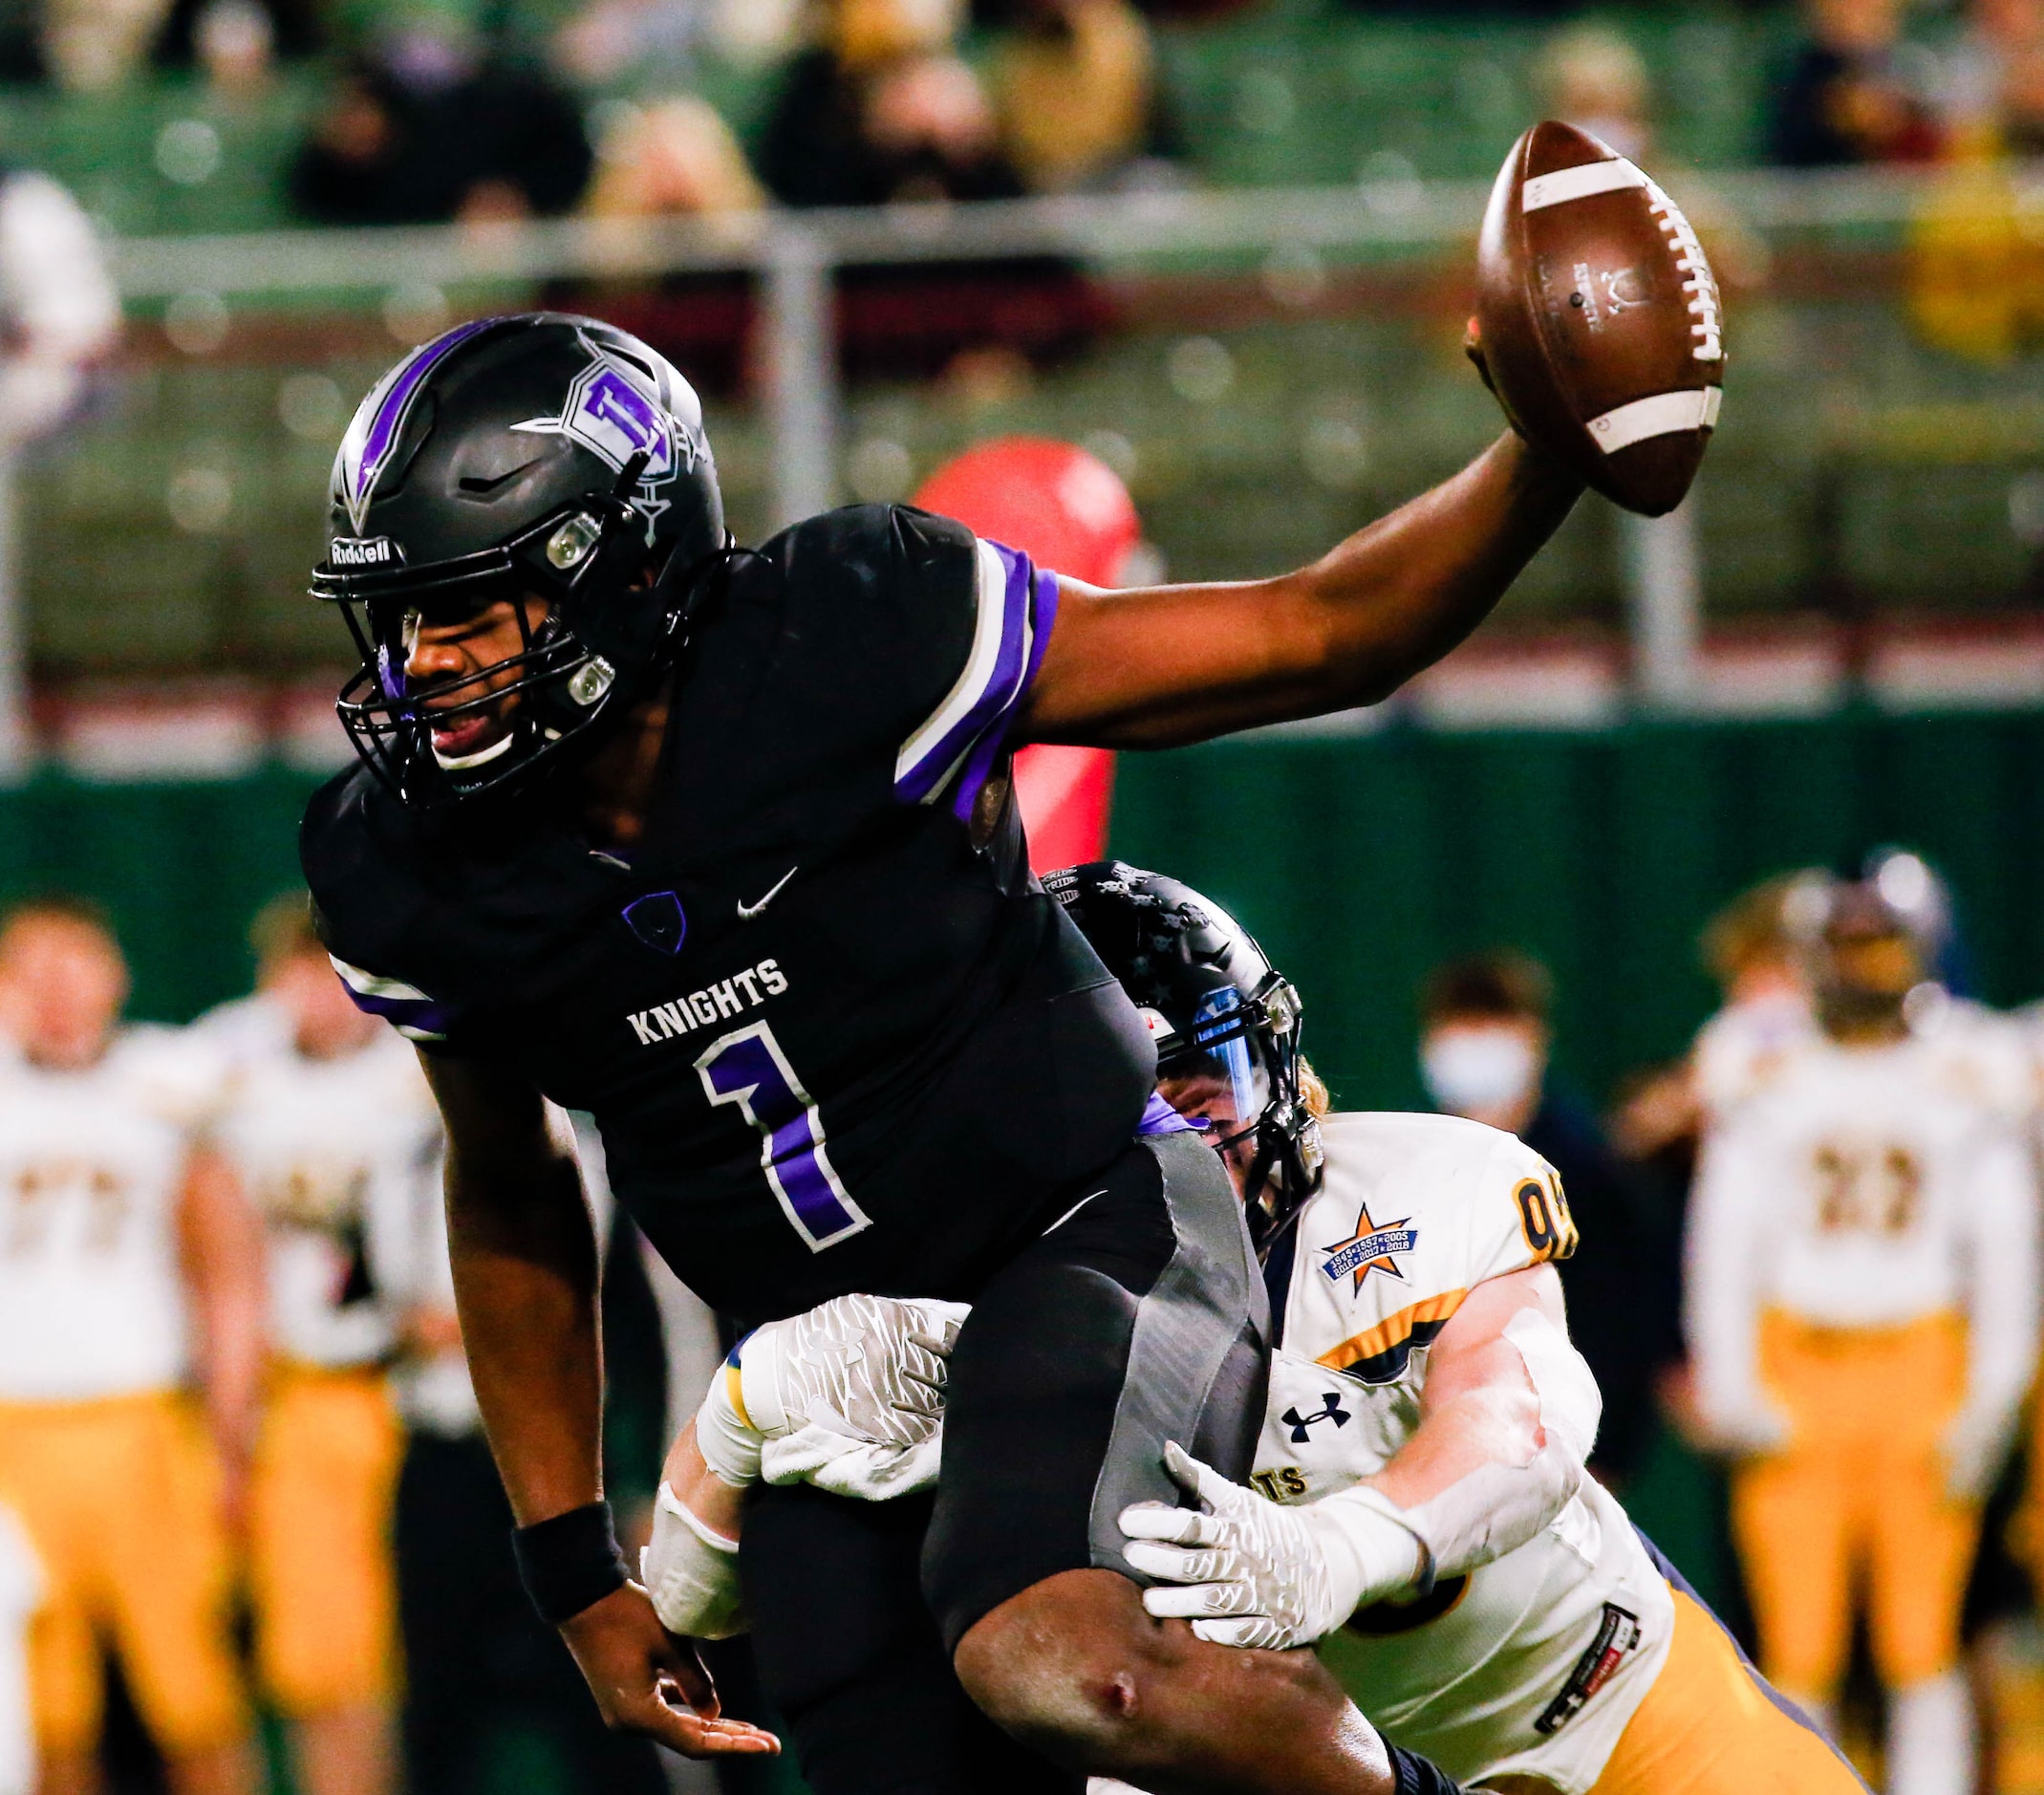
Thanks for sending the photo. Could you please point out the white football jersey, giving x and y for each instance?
(1863, 1187)
(1531, 1663)
(21, 1594)
(91, 1300)
(1745, 1044)
(1994, 1057)
(330, 1152)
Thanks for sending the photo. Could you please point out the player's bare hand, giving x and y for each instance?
(647, 1681)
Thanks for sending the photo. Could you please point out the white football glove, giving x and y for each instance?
(849, 1396)
(1252, 1572)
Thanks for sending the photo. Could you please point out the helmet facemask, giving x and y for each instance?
(547, 462)
(603, 637)
(1249, 1045)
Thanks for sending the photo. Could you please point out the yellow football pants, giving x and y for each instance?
(319, 1554)
(1857, 1502)
(1709, 1726)
(121, 1499)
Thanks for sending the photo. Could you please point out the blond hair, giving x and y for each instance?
(1313, 1091)
(1752, 928)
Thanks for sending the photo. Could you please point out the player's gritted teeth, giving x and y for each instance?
(465, 658)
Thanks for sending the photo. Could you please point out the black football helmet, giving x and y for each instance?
(539, 454)
(1215, 1005)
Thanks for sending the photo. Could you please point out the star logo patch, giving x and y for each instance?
(1371, 1247)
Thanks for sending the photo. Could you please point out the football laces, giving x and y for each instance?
(1698, 282)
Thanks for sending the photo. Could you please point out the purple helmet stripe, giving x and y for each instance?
(360, 471)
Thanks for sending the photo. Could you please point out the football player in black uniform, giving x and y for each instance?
(717, 845)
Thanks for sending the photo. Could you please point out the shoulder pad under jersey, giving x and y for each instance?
(1414, 1212)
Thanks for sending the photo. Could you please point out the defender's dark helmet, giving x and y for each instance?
(1216, 1005)
(537, 454)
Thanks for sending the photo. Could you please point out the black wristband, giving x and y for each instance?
(570, 1562)
(1412, 1775)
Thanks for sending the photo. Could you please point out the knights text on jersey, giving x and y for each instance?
(830, 1042)
(1530, 1664)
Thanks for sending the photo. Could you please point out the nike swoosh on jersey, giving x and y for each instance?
(746, 912)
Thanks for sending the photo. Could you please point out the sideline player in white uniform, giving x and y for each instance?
(1750, 952)
(328, 1128)
(1863, 1302)
(128, 1270)
(1420, 1507)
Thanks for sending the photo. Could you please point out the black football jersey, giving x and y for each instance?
(830, 1042)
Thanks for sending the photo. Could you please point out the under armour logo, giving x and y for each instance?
(1330, 1411)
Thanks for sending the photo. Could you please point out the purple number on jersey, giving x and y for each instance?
(748, 1068)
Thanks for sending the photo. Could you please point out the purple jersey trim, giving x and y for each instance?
(1042, 613)
(961, 756)
(421, 1014)
(1160, 1119)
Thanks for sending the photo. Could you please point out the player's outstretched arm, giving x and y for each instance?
(524, 1256)
(1507, 1418)
(1171, 664)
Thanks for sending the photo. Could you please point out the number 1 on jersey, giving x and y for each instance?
(748, 1068)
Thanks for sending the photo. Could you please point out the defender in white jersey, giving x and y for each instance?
(129, 1287)
(328, 1128)
(1486, 1605)
(1863, 1309)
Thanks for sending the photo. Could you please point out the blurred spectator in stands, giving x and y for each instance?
(883, 110)
(1484, 1054)
(657, 42)
(607, 41)
(1975, 270)
(1846, 97)
(90, 45)
(1591, 76)
(1075, 86)
(60, 315)
(1992, 82)
(423, 131)
(236, 44)
(674, 159)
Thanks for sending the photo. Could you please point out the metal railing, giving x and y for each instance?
(794, 254)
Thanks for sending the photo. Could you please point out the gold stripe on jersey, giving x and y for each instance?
(1378, 1355)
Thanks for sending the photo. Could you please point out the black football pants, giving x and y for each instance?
(1138, 1317)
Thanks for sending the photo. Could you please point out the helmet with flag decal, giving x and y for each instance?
(1220, 1013)
(534, 457)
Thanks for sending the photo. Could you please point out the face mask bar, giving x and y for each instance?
(390, 720)
(1255, 1042)
(577, 665)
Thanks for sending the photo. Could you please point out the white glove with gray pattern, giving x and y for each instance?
(849, 1396)
(1252, 1572)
